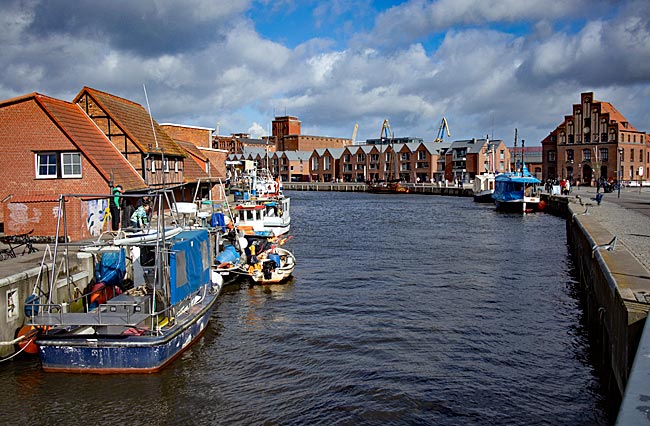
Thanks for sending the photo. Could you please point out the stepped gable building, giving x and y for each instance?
(50, 147)
(287, 137)
(595, 141)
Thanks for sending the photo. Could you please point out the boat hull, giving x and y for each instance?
(112, 354)
(484, 197)
(519, 206)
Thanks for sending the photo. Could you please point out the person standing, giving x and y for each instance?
(115, 203)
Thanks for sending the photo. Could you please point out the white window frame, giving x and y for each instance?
(64, 164)
(37, 162)
(165, 165)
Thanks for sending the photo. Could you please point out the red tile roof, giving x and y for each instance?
(91, 141)
(135, 121)
(194, 164)
(606, 107)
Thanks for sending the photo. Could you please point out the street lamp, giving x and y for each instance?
(620, 170)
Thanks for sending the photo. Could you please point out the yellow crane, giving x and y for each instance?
(441, 130)
(354, 132)
(385, 129)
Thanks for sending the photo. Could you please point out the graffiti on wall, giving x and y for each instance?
(12, 304)
(96, 214)
(20, 215)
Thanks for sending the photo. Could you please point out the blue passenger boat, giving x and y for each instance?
(517, 192)
(166, 308)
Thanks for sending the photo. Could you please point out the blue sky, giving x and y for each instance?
(488, 66)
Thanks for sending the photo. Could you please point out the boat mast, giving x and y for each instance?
(515, 149)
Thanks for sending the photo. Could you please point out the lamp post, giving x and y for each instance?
(620, 170)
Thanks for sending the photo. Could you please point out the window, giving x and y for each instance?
(176, 166)
(360, 158)
(551, 156)
(46, 165)
(569, 155)
(586, 155)
(632, 155)
(71, 165)
(405, 156)
(603, 154)
(165, 164)
(314, 163)
(346, 158)
(422, 155)
(153, 166)
(326, 163)
(52, 165)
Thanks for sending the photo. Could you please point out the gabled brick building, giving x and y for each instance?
(595, 141)
(50, 147)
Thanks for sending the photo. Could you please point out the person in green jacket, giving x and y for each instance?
(115, 203)
(140, 217)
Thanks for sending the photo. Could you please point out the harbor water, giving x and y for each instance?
(403, 309)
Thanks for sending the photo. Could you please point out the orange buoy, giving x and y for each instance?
(542, 205)
(27, 345)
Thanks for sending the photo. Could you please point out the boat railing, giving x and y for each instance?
(112, 313)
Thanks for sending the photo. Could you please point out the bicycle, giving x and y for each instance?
(17, 241)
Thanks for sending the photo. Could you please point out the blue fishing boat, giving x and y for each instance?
(517, 192)
(149, 300)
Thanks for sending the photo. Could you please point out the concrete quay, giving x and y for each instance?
(611, 250)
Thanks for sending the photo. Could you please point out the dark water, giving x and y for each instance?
(405, 309)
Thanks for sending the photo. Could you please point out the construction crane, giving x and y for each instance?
(441, 130)
(354, 132)
(385, 130)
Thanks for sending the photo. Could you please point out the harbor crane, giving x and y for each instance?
(385, 130)
(354, 132)
(441, 130)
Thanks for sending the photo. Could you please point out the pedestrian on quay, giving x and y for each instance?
(115, 206)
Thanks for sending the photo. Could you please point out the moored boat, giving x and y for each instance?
(517, 192)
(277, 267)
(484, 188)
(150, 299)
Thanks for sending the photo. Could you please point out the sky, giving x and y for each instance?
(488, 66)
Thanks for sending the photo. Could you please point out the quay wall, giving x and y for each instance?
(613, 288)
(427, 188)
(15, 288)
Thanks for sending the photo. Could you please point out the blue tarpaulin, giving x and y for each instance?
(189, 264)
(111, 269)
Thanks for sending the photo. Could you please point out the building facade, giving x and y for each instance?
(596, 141)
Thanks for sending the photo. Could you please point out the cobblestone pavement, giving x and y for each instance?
(627, 217)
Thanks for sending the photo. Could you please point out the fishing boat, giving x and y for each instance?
(388, 188)
(517, 192)
(266, 261)
(151, 297)
(277, 267)
(263, 217)
(391, 185)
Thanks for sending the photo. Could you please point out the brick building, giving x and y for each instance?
(467, 158)
(595, 141)
(50, 147)
(287, 137)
